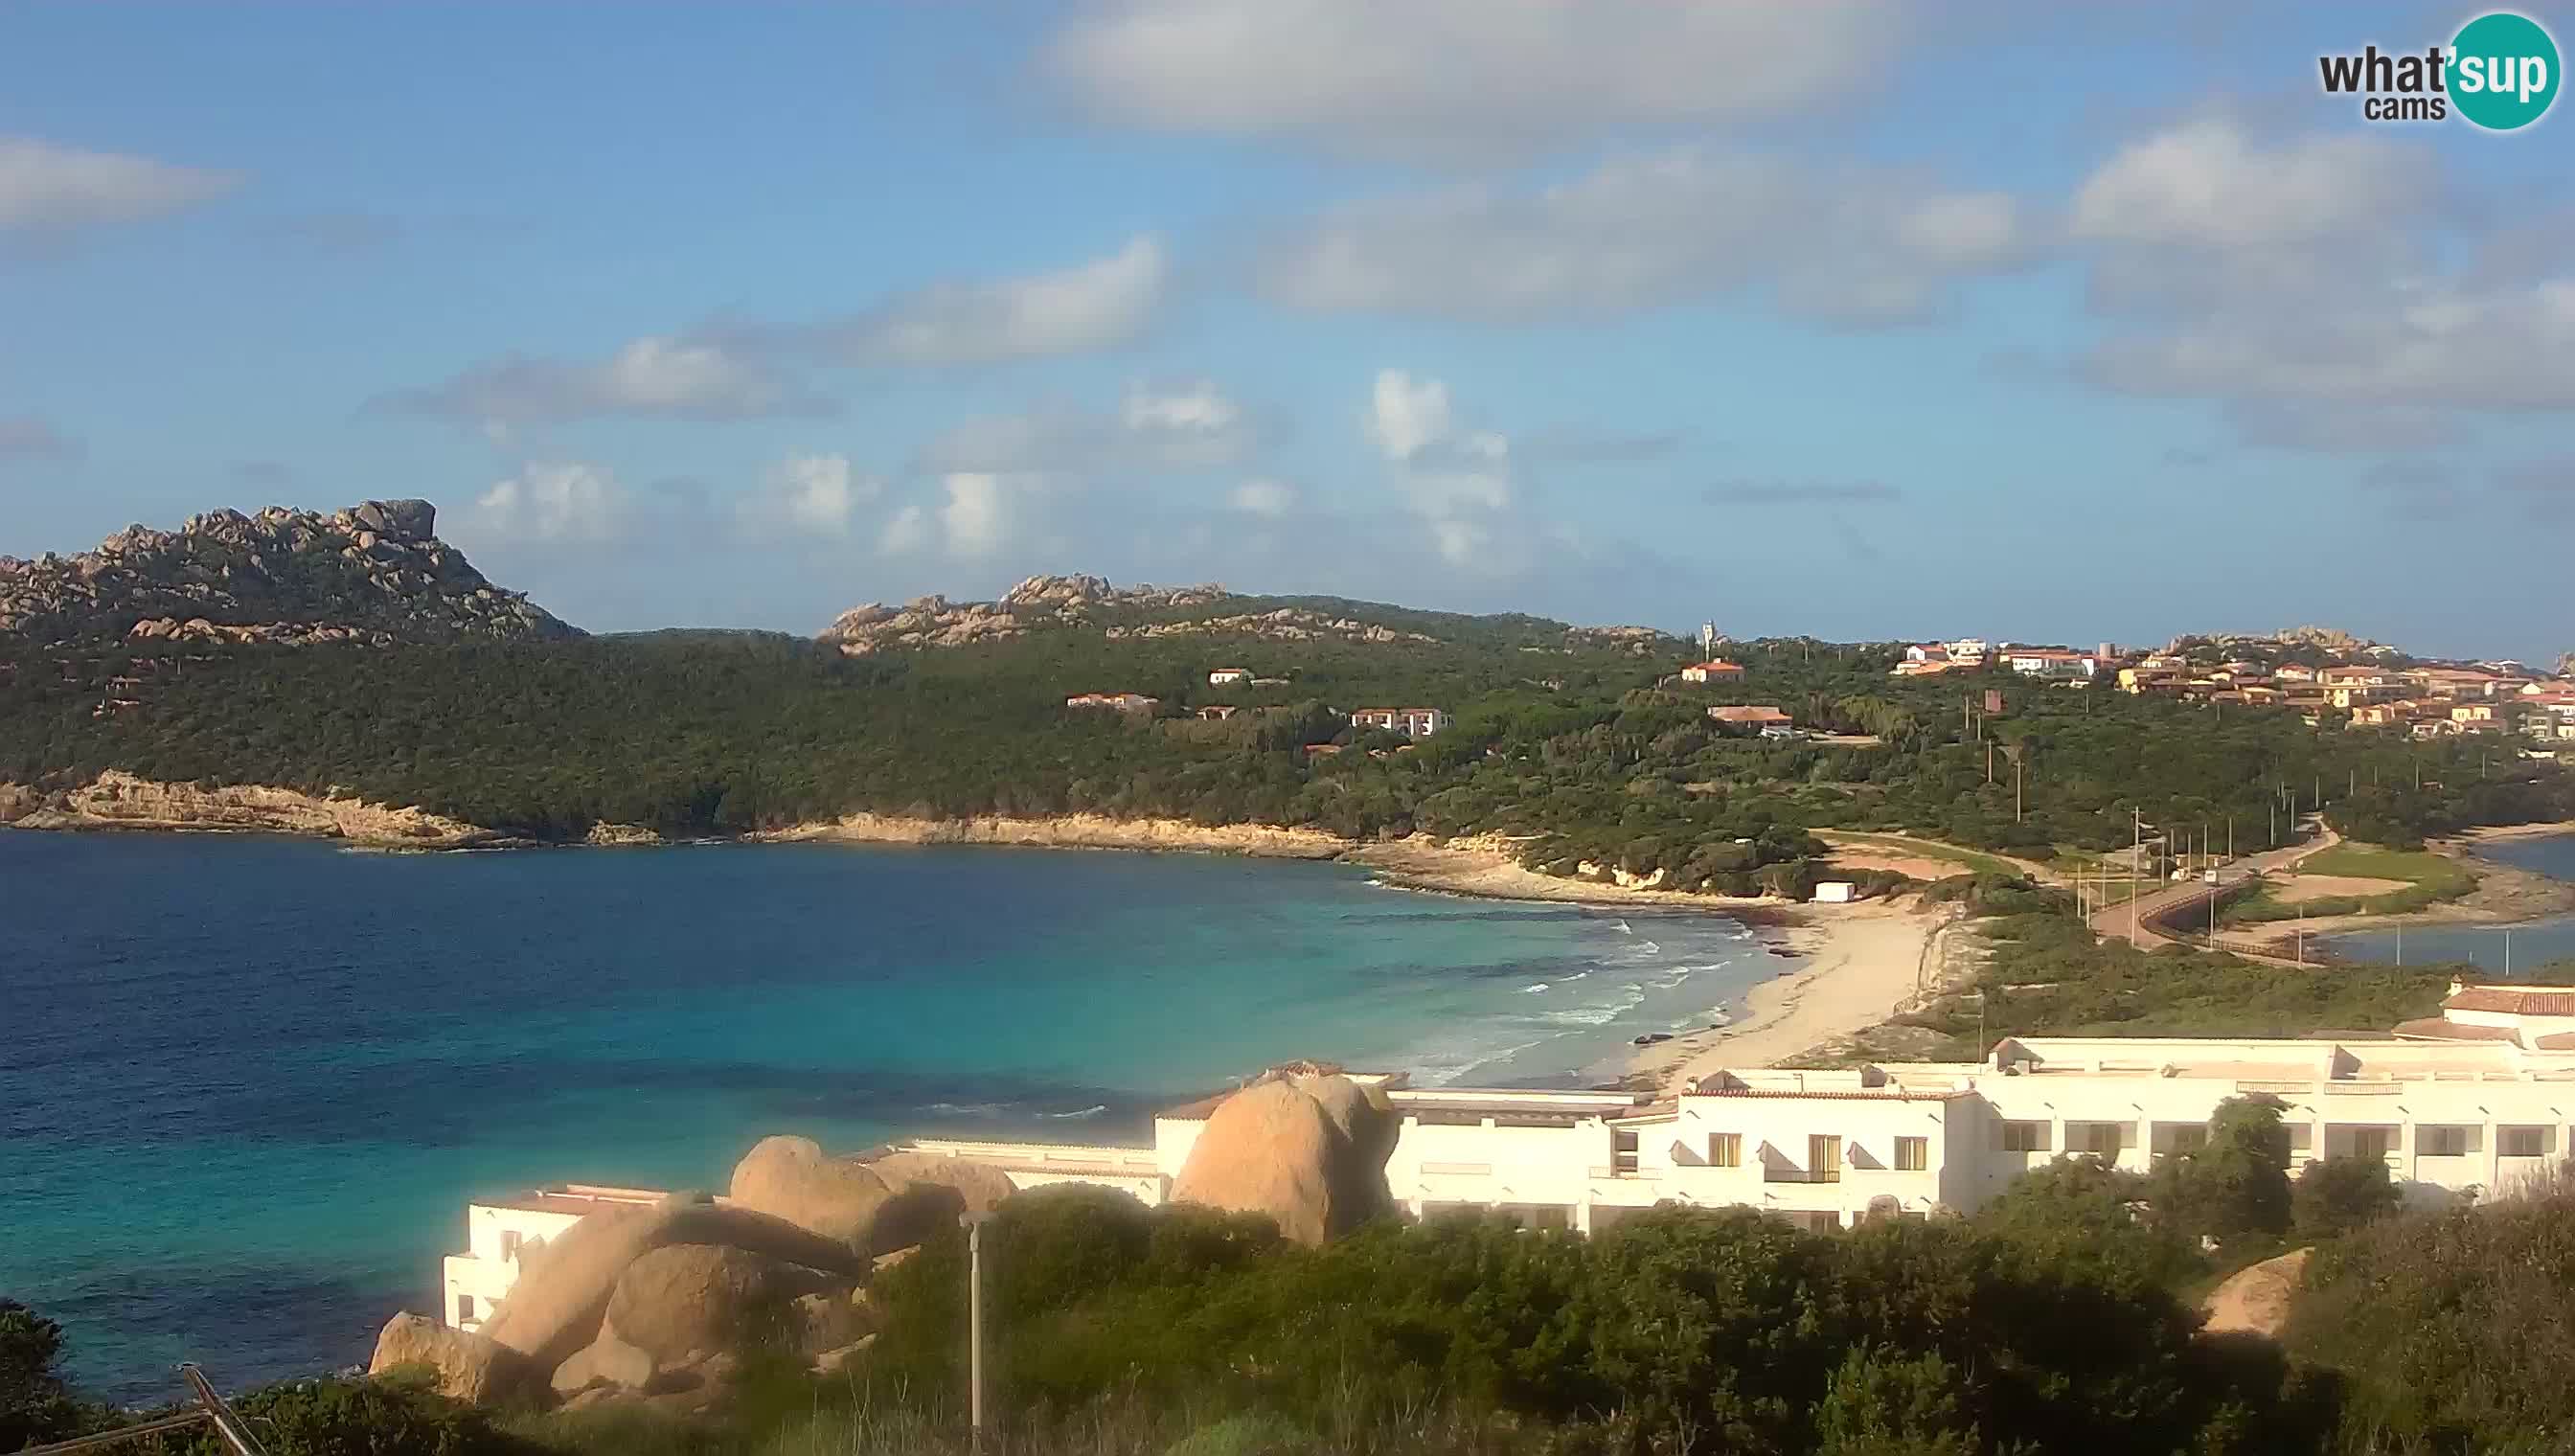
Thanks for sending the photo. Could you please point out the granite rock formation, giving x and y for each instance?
(376, 573)
(1308, 1150)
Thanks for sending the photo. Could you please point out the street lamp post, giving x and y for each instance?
(973, 1222)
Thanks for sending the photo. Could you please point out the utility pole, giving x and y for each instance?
(975, 1318)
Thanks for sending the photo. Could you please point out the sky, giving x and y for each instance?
(1866, 320)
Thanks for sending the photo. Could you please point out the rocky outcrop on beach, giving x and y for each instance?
(119, 801)
(1038, 603)
(375, 573)
(1306, 1149)
(465, 1366)
(1076, 832)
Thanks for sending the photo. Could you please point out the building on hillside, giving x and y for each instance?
(1826, 1150)
(1927, 653)
(2474, 1102)
(1969, 652)
(1218, 711)
(2534, 1019)
(2051, 663)
(1925, 668)
(2293, 672)
(1715, 670)
(1221, 676)
(1412, 722)
(1121, 702)
(1268, 682)
(502, 1233)
(1752, 717)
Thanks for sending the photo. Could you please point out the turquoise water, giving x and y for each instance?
(246, 1085)
(2488, 947)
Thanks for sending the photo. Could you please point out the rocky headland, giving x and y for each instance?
(375, 573)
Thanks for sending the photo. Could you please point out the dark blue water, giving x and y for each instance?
(2491, 949)
(246, 1085)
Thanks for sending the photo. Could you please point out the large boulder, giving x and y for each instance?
(607, 1360)
(1309, 1151)
(980, 1187)
(694, 1298)
(469, 1367)
(794, 1180)
(562, 1296)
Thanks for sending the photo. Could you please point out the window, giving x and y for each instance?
(2521, 1142)
(464, 1309)
(2369, 1143)
(1912, 1154)
(2189, 1137)
(2101, 1138)
(2024, 1137)
(1825, 1160)
(2441, 1143)
(1725, 1149)
(509, 1243)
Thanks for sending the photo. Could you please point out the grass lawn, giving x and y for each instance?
(2429, 878)
(2445, 878)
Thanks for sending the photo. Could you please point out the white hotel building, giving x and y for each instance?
(2471, 1101)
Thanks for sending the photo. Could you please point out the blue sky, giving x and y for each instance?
(1866, 320)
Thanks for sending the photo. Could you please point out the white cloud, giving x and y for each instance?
(1092, 305)
(656, 375)
(2322, 288)
(46, 187)
(1196, 427)
(1640, 232)
(1264, 498)
(570, 503)
(2207, 183)
(1459, 482)
(1406, 415)
(905, 531)
(976, 517)
(807, 495)
(1464, 78)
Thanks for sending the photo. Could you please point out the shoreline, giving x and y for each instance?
(1864, 965)
(2505, 895)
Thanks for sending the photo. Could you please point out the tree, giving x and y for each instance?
(2236, 1188)
(2333, 1196)
(35, 1405)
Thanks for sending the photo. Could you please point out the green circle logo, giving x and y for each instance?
(2503, 71)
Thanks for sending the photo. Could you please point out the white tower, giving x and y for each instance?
(1707, 639)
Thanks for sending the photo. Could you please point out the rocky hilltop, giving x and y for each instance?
(1039, 602)
(1145, 613)
(375, 573)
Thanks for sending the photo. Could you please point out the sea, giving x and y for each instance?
(2495, 950)
(248, 1084)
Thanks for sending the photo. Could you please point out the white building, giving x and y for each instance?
(2470, 1101)
(1221, 676)
(2051, 663)
(500, 1233)
(1412, 722)
(1968, 651)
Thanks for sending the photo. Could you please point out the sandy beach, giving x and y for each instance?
(2521, 831)
(1863, 963)
(1486, 867)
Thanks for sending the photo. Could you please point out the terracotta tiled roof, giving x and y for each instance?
(1874, 1095)
(2547, 1001)
(2435, 1029)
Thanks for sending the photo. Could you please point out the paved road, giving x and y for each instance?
(2135, 921)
